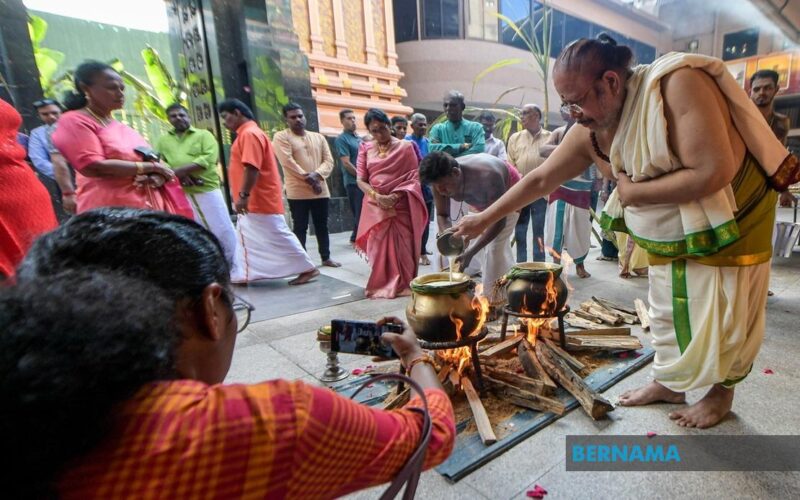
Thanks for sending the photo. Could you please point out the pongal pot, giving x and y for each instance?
(526, 288)
(435, 302)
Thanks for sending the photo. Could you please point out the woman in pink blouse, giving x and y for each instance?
(102, 150)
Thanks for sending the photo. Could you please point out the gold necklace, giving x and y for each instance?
(103, 121)
(383, 151)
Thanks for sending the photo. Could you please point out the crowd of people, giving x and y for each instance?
(124, 317)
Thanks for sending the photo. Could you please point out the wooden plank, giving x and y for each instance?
(532, 366)
(543, 403)
(478, 413)
(616, 331)
(577, 322)
(517, 380)
(610, 342)
(501, 347)
(398, 400)
(607, 316)
(556, 407)
(593, 403)
(641, 311)
(611, 305)
(587, 316)
(574, 363)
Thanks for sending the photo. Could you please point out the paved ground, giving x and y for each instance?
(285, 347)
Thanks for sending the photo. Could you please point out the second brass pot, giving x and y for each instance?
(431, 309)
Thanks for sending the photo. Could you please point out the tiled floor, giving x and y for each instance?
(286, 347)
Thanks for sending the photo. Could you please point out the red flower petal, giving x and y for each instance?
(623, 354)
(768, 371)
(535, 494)
(357, 371)
(540, 489)
(651, 434)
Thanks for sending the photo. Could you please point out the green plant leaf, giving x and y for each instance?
(160, 78)
(47, 61)
(511, 24)
(37, 27)
(494, 67)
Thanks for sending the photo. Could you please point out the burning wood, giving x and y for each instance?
(527, 399)
(531, 365)
(501, 347)
(574, 363)
(594, 404)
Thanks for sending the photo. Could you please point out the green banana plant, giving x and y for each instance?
(47, 60)
(539, 50)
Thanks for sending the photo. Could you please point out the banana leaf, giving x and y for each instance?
(160, 78)
(494, 67)
(47, 61)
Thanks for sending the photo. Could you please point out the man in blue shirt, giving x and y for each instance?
(419, 125)
(50, 166)
(346, 146)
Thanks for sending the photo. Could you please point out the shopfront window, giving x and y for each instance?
(481, 20)
(405, 21)
(441, 19)
(740, 44)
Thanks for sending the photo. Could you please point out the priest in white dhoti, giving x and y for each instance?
(698, 171)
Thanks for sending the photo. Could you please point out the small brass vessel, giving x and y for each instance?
(431, 308)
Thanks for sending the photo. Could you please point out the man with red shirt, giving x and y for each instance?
(268, 249)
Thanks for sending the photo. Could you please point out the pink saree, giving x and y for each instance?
(391, 238)
(83, 141)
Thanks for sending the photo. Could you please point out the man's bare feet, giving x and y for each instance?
(603, 257)
(641, 271)
(330, 263)
(424, 261)
(582, 272)
(651, 393)
(305, 277)
(707, 412)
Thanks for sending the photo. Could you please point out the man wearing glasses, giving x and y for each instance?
(51, 167)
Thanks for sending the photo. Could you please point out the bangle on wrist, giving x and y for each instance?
(67, 193)
(243, 194)
(425, 358)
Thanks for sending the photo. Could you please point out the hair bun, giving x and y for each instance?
(606, 38)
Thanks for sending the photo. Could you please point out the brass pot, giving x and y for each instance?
(430, 309)
(527, 287)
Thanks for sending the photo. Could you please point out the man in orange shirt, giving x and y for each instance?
(268, 249)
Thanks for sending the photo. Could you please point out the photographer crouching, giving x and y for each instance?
(111, 369)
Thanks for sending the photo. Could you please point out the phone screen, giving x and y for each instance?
(361, 337)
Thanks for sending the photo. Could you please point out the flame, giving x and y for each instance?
(533, 325)
(462, 356)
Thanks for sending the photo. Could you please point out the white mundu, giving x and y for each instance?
(707, 322)
(211, 212)
(268, 249)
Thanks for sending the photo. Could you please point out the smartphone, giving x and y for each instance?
(362, 337)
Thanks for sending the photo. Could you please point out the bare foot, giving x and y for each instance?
(603, 257)
(770, 293)
(424, 261)
(642, 271)
(651, 393)
(581, 270)
(707, 412)
(331, 263)
(305, 277)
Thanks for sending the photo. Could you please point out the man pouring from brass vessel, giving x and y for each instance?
(701, 204)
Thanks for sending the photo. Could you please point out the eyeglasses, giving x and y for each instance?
(242, 309)
(44, 102)
(576, 107)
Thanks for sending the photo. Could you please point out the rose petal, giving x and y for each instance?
(768, 371)
(540, 489)
(651, 434)
(623, 354)
(357, 371)
(534, 494)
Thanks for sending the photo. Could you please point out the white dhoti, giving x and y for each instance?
(707, 322)
(268, 249)
(498, 256)
(567, 227)
(211, 212)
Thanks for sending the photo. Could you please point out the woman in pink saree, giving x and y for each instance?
(109, 172)
(393, 214)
